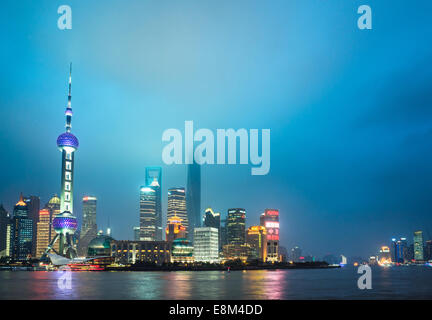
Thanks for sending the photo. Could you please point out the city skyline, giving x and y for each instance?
(347, 174)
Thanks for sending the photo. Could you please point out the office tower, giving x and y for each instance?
(193, 200)
(418, 246)
(53, 206)
(43, 232)
(136, 231)
(296, 253)
(89, 225)
(256, 237)
(236, 224)
(4, 224)
(65, 223)
(270, 220)
(22, 232)
(147, 213)
(175, 229)
(223, 233)
(206, 245)
(177, 206)
(399, 250)
(33, 205)
(154, 178)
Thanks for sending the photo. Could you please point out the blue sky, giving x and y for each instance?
(349, 110)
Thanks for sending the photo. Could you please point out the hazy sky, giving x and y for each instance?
(349, 110)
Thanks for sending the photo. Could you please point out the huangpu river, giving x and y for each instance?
(405, 282)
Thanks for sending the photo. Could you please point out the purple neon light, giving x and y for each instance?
(67, 139)
(62, 223)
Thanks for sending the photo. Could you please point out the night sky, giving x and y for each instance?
(350, 111)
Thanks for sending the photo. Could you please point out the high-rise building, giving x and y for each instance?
(177, 206)
(296, 253)
(147, 213)
(385, 255)
(399, 248)
(223, 233)
(136, 231)
(65, 223)
(175, 229)
(418, 246)
(270, 220)
(89, 225)
(236, 226)
(213, 219)
(4, 225)
(154, 179)
(21, 232)
(206, 245)
(43, 232)
(428, 250)
(33, 205)
(193, 200)
(256, 237)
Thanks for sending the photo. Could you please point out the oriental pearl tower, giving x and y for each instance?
(65, 223)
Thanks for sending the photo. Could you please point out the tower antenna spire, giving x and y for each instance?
(68, 112)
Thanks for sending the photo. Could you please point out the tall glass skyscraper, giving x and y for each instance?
(418, 246)
(236, 226)
(206, 245)
(22, 231)
(193, 197)
(4, 223)
(147, 213)
(177, 206)
(154, 178)
(89, 225)
(33, 206)
(270, 220)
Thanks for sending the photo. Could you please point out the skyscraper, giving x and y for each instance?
(177, 206)
(65, 223)
(193, 197)
(236, 226)
(43, 232)
(21, 232)
(256, 238)
(154, 178)
(418, 246)
(206, 245)
(33, 205)
(175, 229)
(136, 231)
(213, 219)
(270, 220)
(399, 250)
(89, 226)
(4, 223)
(147, 213)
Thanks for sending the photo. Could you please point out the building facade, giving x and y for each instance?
(418, 246)
(270, 220)
(33, 206)
(21, 232)
(182, 251)
(193, 201)
(236, 226)
(4, 226)
(206, 245)
(256, 238)
(174, 229)
(89, 225)
(131, 252)
(147, 214)
(177, 206)
(154, 178)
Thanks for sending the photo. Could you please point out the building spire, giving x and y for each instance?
(68, 112)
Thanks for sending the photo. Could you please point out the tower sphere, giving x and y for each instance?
(64, 223)
(67, 140)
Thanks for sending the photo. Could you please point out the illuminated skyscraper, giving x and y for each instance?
(4, 225)
(213, 219)
(296, 253)
(270, 220)
(154, 178)
(136, 231)
(236, 226)
(65, 223)
(177, 206)
(256, 238)
(418, 246)
(147, 213)
(89, 226)
(21, 232)
(43, 232)
(206, 245)
(33, 205)
(399, 249)
(193, 198)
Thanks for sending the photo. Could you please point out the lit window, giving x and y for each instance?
(67, 196)
(67, 186)
(68, 176)
(68, 165)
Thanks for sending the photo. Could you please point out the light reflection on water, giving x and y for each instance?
(390, 283)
